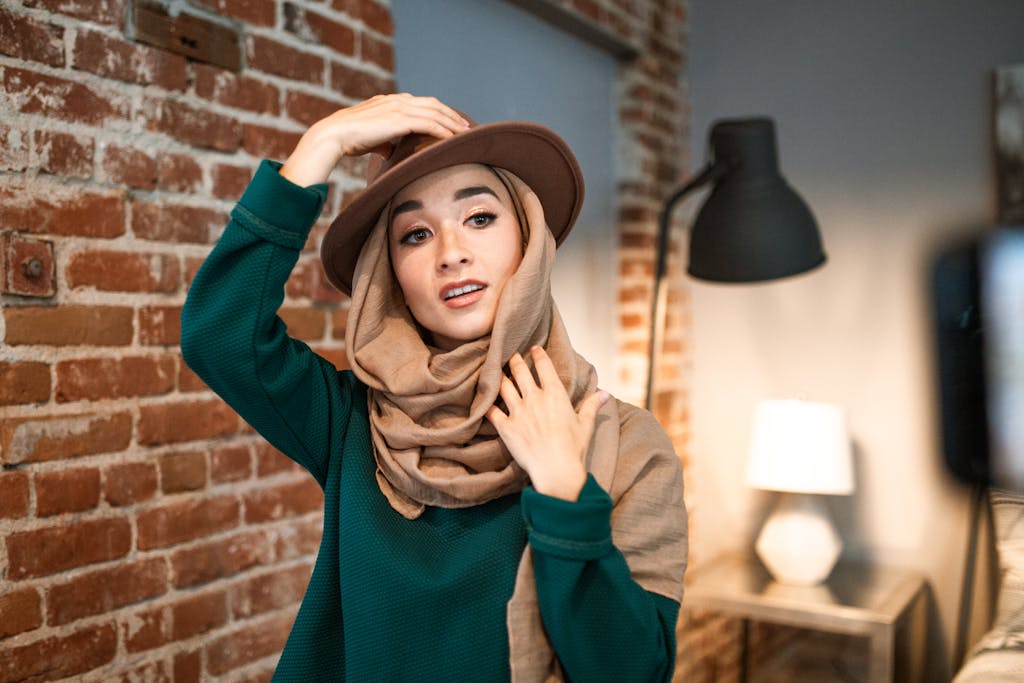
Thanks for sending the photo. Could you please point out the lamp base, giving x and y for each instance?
(798, 543)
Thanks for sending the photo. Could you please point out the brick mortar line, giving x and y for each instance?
(131, 513)
(331, 13)
(82, 296)
(252, 671)
(74, 26)
(137, 95)
(48, 16)
(238, 489)
(341, 179)
(197, 642)
(23, 180)
(606, 26)
(290, 40)
(103, 137)
(206, 159)
(54, 354)
(128, 243)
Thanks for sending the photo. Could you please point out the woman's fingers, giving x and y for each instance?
(549, 386)
(587, 413)
(497, 418)
(434, 109)
(521, 374)
(408, 100)
(509, 393)
(386, 117)
(371, 125)
(546, 372)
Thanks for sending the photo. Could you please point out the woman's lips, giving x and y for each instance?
(463, 293)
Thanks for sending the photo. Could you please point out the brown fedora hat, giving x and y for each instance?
(533, 152)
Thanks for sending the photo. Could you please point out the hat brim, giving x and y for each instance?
(533, 152)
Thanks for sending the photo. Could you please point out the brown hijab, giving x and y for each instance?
(431, 440)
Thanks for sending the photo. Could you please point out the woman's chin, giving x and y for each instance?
(452, 339)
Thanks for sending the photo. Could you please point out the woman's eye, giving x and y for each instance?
(416, 236)
(479, 220)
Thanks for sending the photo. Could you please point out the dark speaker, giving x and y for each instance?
(959, 333)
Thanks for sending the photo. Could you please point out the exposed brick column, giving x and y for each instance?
(145, 530)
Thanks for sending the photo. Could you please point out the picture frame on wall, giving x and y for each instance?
(1009, 143)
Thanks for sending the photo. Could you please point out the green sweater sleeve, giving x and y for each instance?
(233, 339)
(603, 625)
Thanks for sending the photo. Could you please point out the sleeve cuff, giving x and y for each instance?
(579, 530)
(277, 209)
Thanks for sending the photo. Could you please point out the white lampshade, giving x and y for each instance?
(800, 446)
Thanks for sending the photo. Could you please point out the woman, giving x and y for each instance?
(488, 513)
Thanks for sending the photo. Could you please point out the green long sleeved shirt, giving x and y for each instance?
(392, 599)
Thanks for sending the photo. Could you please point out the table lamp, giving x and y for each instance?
(802, 449)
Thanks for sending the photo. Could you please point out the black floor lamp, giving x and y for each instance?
(751, 227)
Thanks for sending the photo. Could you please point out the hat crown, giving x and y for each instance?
(407, 146)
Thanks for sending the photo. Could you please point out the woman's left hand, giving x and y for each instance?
(542, 431)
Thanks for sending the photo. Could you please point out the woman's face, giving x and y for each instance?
(454, 241)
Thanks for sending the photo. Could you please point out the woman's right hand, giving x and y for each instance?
(370, 126)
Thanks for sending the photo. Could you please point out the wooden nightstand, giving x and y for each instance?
(883, 605)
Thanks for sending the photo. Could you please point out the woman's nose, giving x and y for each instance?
(453, 249)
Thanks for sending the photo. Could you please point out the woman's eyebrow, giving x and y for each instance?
(410, 205)
(474, 190)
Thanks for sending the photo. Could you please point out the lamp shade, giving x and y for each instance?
(800, 446)
(753, 226)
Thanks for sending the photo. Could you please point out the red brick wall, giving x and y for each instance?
(146, 531)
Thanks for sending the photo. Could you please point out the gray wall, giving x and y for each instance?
(498, 62)
(884, 117)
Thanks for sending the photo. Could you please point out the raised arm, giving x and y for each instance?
(232, 337)
(231, 334)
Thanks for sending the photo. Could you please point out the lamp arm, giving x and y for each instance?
(709, 173)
